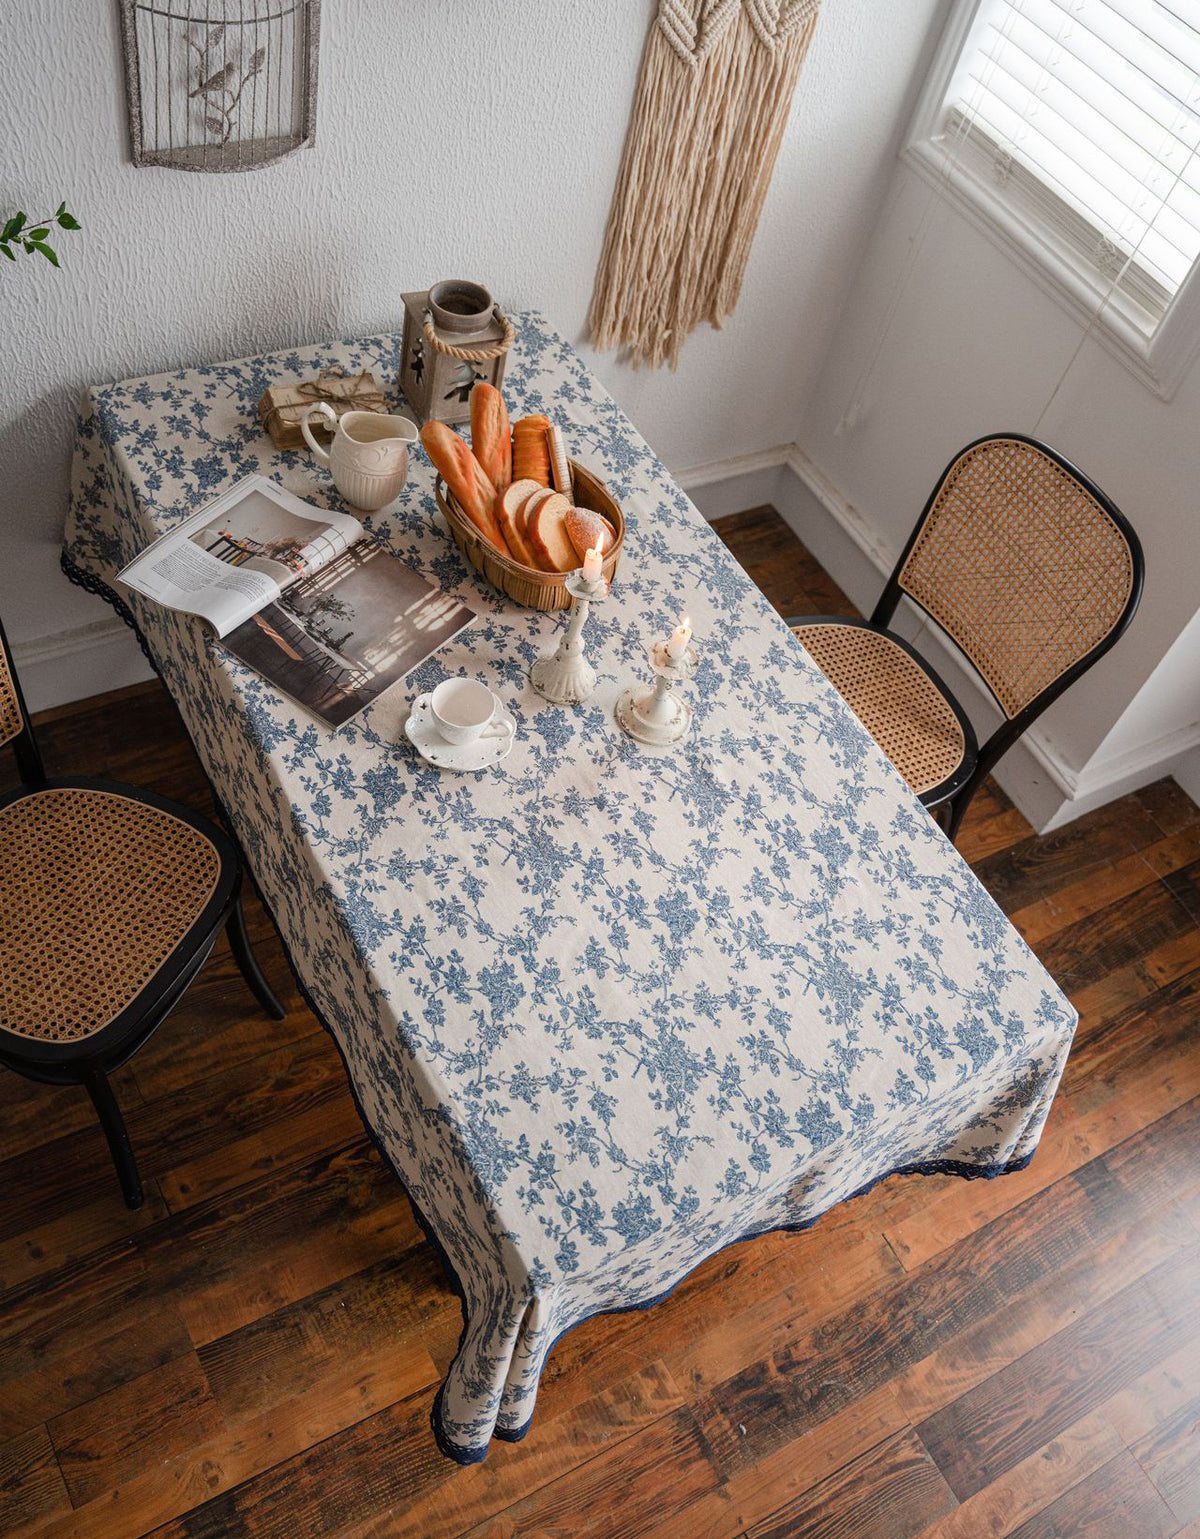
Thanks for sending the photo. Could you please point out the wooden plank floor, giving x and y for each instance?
(256, 1351)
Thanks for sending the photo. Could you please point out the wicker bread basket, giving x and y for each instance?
(536, 590)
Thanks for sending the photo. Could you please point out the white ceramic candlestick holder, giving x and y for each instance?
(565, 676)
(656, 714)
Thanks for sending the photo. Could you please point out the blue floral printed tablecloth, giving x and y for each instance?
(606, 1010)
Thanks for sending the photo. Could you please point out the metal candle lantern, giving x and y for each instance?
(455, 335)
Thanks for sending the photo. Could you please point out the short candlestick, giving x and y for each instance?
(656, 715)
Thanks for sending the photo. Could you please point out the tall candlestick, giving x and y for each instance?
(565, 676)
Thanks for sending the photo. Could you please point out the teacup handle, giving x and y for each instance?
(496, 729)
(326, 410)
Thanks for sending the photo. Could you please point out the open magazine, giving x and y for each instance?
(302, 594)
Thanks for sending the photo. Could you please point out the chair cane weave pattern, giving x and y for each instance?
(96, 891)
(894, 698)
(1021, 566)
(11, 722)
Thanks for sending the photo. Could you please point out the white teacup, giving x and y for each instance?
(368, 457)
(464, 710)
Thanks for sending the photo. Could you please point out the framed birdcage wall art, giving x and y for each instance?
(219, 85)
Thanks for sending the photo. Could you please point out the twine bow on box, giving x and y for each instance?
(283, 406)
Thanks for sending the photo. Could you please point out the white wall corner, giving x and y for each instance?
(73, 664)
(736, 484)
(1187, 773)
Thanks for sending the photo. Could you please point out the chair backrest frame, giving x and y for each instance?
(1012, 727)
(22, 741)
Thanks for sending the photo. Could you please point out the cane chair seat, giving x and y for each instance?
(97, 891)
(895, 696)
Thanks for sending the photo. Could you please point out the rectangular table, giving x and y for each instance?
(605, 1010)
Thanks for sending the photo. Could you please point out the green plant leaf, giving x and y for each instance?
(13, 227)
(8, 251)
(68, 221)
(47, 251)
(39, 234)
(61, 209)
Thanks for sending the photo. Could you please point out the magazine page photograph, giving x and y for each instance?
(240, 552)
(336, 640)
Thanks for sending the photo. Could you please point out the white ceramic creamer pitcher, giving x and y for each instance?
(368, 457)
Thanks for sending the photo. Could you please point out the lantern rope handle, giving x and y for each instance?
(471, 354)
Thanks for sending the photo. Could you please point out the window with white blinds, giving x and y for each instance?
(1084, 118)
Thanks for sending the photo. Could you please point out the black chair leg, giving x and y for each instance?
(239, 944)
(116, 1133)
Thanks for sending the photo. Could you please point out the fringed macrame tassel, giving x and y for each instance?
(708, 119)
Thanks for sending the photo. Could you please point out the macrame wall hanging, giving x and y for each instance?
(712, 103)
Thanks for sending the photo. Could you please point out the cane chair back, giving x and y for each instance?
(12, 718)
(1023, 564)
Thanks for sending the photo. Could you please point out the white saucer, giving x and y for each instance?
(434, 749)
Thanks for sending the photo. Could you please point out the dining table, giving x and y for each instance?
(604, 1008)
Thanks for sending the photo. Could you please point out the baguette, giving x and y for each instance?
(465, 480)
(490, 439)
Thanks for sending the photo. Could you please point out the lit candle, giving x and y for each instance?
(593, 564)
(678, 643)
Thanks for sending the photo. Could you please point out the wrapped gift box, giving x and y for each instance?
(283, 406)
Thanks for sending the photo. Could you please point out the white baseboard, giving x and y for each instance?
(1045, 788)
(1187, 773)
(73, 664)
(735, 484)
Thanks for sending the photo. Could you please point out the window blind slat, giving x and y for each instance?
(1133, 107)
(1167, 35)
(1064, 116)
(1132, 174)
(1098, 101)
(1110, 50)
(1110, 216)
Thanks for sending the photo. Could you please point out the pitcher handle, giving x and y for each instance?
(327, 411)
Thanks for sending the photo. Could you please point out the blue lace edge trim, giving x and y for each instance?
(446, 1446)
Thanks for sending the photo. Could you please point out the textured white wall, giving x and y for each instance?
(474, 138)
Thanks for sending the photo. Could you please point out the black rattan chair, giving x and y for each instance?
(1031, 571)
(110, 901)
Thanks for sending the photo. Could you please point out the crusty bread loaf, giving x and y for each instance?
(491, 442)
(547, 528)
(531, 450)
(510, 510)
(587, 530)
(465, 479)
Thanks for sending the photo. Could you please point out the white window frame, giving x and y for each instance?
(1160, 360)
